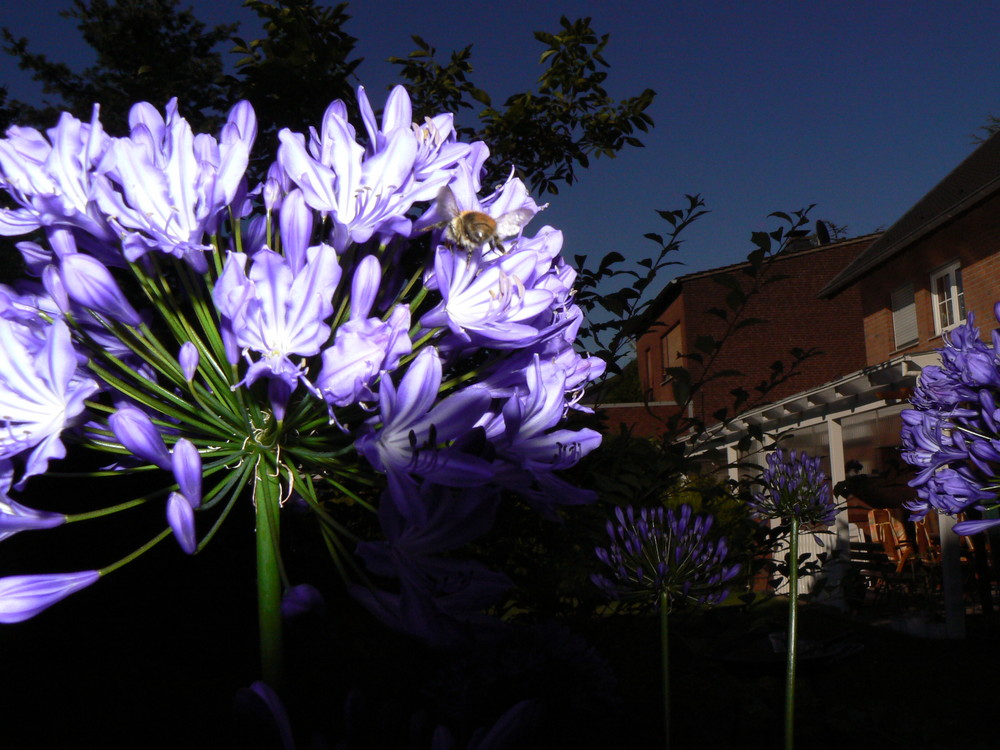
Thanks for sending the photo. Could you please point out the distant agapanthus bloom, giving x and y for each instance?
(794, 486)
(658, 551)
(952, 436)
(314, 341)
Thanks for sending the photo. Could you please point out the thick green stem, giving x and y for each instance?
(267, 495)
(793, 633)
(665, 656)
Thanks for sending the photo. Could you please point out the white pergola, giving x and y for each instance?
(866, 390)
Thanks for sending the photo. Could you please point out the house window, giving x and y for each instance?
(670, 350)
(947, 298)
(649, 368)
(904, 316)
(665, 355)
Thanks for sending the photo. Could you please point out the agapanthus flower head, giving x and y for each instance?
(794, 486)
(658, 551)
(300, 339)
(952, 436)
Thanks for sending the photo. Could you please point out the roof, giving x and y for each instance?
(970, 183)
(673, 288)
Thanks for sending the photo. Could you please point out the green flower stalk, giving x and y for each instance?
(661, 557)
(796, 491)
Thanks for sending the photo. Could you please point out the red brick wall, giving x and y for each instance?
(795, 318)
(643, 421)
(973, 240)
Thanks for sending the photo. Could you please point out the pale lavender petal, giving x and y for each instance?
(369, 120)
(144, 114)
(315, 179)
(40, 393)
(52, 281)
(419, 387)
(186, 464)
(90, 284)
(296, 222)
(364, 286)
(180, 516)
(23, 597)
(398, 112)
(188, 360)
(137, 433)
(15, 517)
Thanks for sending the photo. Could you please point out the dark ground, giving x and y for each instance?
(144, 661)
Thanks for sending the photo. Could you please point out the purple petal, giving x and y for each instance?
(186, 463)
(180, 516)
(968, 528)
(23, 597)
(418, 388)
(90, 284)
(188, 359)
(301, 599)
(296, 221)
(140, 436)
(278, 713)
(364, 286)
(15, 517)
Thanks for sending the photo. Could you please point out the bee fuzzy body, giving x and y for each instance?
(470, 230)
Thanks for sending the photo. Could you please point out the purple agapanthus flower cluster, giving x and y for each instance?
(794, 485)
(952, 437)
(660, 551)
(314, 337)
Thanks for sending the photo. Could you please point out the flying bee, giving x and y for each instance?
(470, 230)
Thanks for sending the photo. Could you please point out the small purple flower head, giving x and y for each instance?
(658, 551)
(23, 597)
(952, 437)
(794, 486)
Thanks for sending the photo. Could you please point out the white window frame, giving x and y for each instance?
(954, 304)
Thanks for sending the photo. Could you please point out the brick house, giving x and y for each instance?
(938, 262)
(921, 277)
(792, 315)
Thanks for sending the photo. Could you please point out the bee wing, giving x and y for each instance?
(446, 207)
(511, 222)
